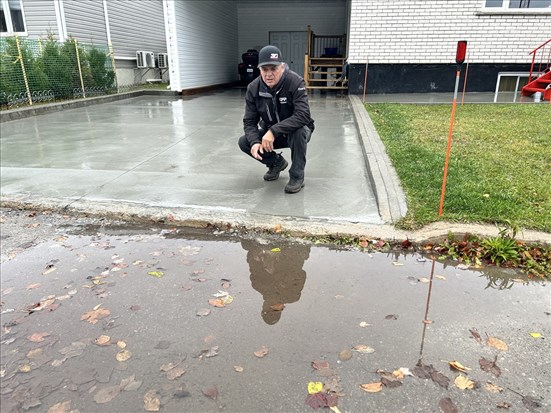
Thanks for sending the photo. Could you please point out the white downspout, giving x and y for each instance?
(169, 9)
(60, 19)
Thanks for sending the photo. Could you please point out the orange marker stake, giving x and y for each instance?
(459, 59)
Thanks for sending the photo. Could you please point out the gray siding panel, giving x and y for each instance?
(207, 42)
(85, 21)
(40, 18)
(136, 25)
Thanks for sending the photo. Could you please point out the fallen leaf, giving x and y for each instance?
(61, 407)
(503, 405)
(458, 366)
(36, 353)
(372, 387)
(462, 267)
(275, 250)
(497, 343)
(121, 344)
(320, 364)
(157, 274)
(391, 317)
(93, 316)
(37, 337)
(428, 321)
(49, 269)
(203, 312)
(441, 277)
(401, 373)
(33, 286)
(103, 340)
(463, 382)
(151, 401)
(490, 366)
(364, 324)
(530, 402)
(277, 307)
(316, 400)
(315, 387)
(130, 384)
(261, 352)
(363, 243)
(25, 368)
(390, 380)
(345, 355)
(277, 228)
(238, 369)
(492, 388)
(175, 373)
(168, 366)
(107, 394)
(424, 280)
(476, 335)
(363, 349)
(535, 335)
(447, 406)
(210, 391)
(75, 349)
(397, 264)
(123, 355)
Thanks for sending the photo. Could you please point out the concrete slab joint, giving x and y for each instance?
(391, 199)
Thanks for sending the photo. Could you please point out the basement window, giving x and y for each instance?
(12, 19)
(517, 5)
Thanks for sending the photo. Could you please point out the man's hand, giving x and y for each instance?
(256, 150)
(268, 141)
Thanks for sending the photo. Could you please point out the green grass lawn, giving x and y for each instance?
(500, 164)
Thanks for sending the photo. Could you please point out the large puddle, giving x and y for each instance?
(231, 324)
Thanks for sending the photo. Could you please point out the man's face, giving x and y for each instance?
(271, 74)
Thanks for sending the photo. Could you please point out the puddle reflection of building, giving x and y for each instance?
(276, 273)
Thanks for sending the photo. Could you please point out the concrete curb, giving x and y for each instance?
(391, 199)
(26, 112)
(194, 217)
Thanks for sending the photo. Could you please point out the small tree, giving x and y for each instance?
(103, 77)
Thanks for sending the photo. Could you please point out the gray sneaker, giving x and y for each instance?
(273, 172)
(294, 186)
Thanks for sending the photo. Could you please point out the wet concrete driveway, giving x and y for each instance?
(182, 152)
(281, 306)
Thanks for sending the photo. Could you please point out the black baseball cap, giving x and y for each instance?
(269, 55)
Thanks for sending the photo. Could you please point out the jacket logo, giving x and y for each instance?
(283, 100)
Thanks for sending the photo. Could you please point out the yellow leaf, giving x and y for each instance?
(123, 355)
(397, 264)
(441, 277)
(151, 401)
(372, 387)
(238, 369)
(535, 335)
(97, 306)
(275, 250)
(157, 274)
(121, 344)
(334, 409)
(25, 368)
(458, 366)
(103, 340)
(497, 343)
(492, 388)
(315, 387)
(463, 382)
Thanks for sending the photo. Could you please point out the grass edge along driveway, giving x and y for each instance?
(499, 168)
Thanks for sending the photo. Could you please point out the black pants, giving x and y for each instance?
(296, 140)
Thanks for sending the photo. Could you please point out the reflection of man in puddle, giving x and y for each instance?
(277, 275)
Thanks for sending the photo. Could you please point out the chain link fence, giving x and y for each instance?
(45, 70)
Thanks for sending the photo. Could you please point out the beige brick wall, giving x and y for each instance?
(427, 31)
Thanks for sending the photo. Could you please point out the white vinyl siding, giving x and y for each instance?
(85, 21)
(40, 18)
(136, 25)
(427, 31)
(206, 33)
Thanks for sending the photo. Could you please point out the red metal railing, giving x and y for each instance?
(543, 66)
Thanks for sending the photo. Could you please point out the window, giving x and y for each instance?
(517, 4)
(11, 17)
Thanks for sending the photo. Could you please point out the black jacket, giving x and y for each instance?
(282, 110)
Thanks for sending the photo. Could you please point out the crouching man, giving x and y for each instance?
(277, 115)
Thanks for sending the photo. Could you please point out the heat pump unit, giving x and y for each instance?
(145, 59)
(162, 60)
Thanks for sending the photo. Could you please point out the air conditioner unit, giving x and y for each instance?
(145, 59)
(162, 60)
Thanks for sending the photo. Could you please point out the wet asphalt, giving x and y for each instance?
(297, 304)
